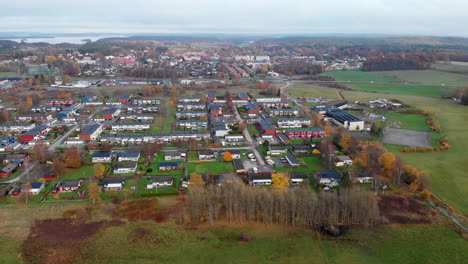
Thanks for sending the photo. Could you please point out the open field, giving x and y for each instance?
(213, 167)
(407, 121)
(307, 90)
(425, 77)
(79, 173)
(223, 244)
(419, 90)
(447, 169)
(358, 76)
(451, 66)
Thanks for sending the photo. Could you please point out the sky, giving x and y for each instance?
(403, 17)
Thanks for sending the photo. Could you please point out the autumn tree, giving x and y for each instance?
(72, 158)
(387, 161)
(41, 151)
(152, 148)
(58, 166)
(280, 180)
(105, 147)
(29, 101)
(94, 193)
(196, 180)
(345, 140)
(26, 191)
(316, 152)
(327, 129)
(227, 156)
(99, 170)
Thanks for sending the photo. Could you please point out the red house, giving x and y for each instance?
(305, 132)
(34, 133)
(266, 127)
(125, 98)
(68, 186)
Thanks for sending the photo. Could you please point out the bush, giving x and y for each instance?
(158, 194)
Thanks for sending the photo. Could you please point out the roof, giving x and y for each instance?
(238, 164)
(266, 125)
(10, 167)
(206, 152)
(125, 165)
(72, 183)
(341, 116)
(90, 129)
(298, 130)
(343, 157)
(128, 154)
(36, 185)
(299, 175)
(35, 131)
(259, 176)
(169, 163)
(109, 180)
(292, 159)
(160, 178)
(102, 154)
(329, 175)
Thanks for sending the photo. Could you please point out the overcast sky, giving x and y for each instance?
(415, 17)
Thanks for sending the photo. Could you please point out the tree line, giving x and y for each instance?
(235, 202)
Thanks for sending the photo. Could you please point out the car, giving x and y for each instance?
(253, 159)
(16, 192)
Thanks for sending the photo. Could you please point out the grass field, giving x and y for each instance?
(74, 174)
(213, 167)
(453, 66)
(358, 76)
(305, 90)
(447, 169)
(221, 244)
(407, 121)
(425, 77)
(420, 90)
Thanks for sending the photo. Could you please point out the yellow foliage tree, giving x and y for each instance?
(387, 161)
(316, 152)
(99, 170)
(280, 180)
(29, 101)
(94, 193)
(196, 180)
(227, 156)
(72, 158)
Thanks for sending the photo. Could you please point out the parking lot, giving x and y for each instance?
(403, 137)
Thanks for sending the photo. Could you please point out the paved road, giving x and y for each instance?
(444, 212)
(252, 143)
(62, 138)
(381, 83)
(25, 173)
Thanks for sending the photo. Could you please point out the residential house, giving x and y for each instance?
(277, 150)
(29, 118)
(268, 99)
(265, 127)
(68, 186)
(159, 181)
(283, 112)
(236, 154)
(292, 161)
(125, 168)
(360, 177)
(36, 187)
(305, 132)
(257, 179)
(191, 124)
(128, 156)
(174, 155)
(299, 177)
(169, 165)
(293, 122)
(91, 132)
(112, 183)
(134, 126)
(102, 157)
(302, 149)
(341, 161)
(35, 133)
(146, 101)
(330, 178)
(8, 169)
(16, 127)
(239, 165)
(206, 155)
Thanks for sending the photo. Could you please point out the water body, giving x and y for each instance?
(57, 40)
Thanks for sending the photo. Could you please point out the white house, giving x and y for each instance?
(257, 179)
(125, 168)
(159, 181)
(341, 161)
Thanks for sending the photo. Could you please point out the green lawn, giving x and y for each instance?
(79, 173)
(420, 90)
(312, 163)
(220, 244)
(426, 77)
(406, 121)
(213, 167)
(307, 90)
(357, 76)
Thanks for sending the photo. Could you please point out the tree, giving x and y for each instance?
(72, 158)
(387, 161)
(125, 191)
(316, 152)
(280, 180)
(227, 156)
(58, 166)
(41, 151)
(106, 147)
(94, 193)
(29, 102)
(345, 141)
(152, 148)
(196, 180)
(99, 170)
(327, 129)
(26, 191)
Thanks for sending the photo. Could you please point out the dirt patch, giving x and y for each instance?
(398, 209)
(57, 241)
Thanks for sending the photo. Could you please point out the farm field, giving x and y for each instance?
(307, 90)
(358, 76)
(451, 66)
(425, 77)
(222, 244)
(419, 90)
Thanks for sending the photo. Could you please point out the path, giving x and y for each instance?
(253, 144)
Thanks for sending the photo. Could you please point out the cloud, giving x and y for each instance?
(424, 17)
